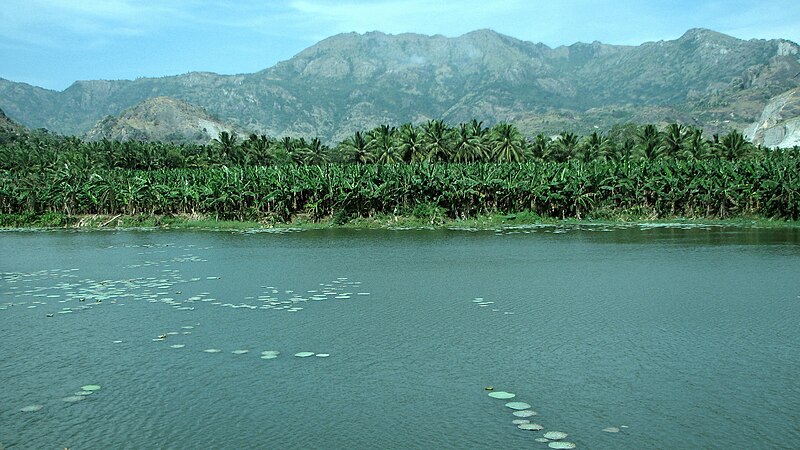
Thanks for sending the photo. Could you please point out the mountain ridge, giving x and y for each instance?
(356, 81)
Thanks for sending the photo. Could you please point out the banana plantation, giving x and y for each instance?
(465, 171)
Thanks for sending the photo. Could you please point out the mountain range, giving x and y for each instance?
(353, 81)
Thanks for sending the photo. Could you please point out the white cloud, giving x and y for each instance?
(55, 23)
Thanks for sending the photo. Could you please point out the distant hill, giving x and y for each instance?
(355, 81)
(7, 125)
(160, 119)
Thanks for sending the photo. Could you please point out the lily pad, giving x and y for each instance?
(524, 413)
(555, 435)
(530, 427)
(502, 395)
(561, 445)
(32, 408)
(90, 387)
(518, 405)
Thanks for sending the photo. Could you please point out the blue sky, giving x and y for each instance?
(52, 43)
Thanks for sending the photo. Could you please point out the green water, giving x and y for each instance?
(678, 337)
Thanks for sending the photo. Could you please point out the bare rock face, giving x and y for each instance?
(779, 125)
(160, 119)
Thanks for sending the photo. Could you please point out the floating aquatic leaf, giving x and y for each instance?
(304, 354)
(90, 387)
(212, 350)
(530, 427)
(73, 398)
(561, 445)
(502, 395)
(611, 430)
(555, 435)
(518, 405)
(524, 413)
(240, 352)
(32, 408)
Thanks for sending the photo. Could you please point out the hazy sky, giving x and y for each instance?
(51, 43)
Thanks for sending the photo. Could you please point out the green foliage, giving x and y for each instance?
(431, 172)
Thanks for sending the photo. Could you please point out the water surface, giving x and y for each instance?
(680, 337)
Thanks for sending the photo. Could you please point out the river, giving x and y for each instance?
(621, 337)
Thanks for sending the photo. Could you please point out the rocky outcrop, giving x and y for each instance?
(779, 125)
(160, 119)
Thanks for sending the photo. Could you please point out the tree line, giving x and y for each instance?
(433, 142)
(429, 171)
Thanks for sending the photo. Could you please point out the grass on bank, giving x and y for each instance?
(434, 219)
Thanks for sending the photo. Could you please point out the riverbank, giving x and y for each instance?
(485, 222)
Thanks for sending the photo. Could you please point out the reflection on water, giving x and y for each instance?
(641, 337)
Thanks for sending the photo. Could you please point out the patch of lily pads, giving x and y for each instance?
(561, 445)
(32, 408)
(502, 395)
(518, 405)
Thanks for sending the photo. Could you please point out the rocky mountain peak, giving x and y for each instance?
(160, 119)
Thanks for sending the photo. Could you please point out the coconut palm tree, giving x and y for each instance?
(409, 143)
(595, 147)
(225, 143)
(649, 145)
(565, 147)
(508, 144)
(673, 140)
(468, 145)
(540, 146)
(382, 145)
(733, 146)
(435, 141)
(696, 146)
(356, 149)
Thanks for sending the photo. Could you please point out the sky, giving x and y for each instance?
(52, 43)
